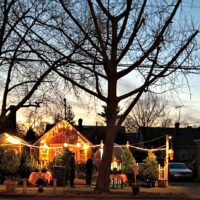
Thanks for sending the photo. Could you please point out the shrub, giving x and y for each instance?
(149, 168)
(62, 157)
(27, 165)
(10, 163)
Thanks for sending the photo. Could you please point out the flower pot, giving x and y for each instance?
(10, 185)
(162, 183)
(135, 189)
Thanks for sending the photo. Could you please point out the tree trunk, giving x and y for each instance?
(8, 123)
(103, 180)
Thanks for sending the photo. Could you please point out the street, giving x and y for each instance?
(175, 190)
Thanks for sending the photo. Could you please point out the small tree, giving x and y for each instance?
(10, 163)
(128, 163)
(27, 165)
(149, 168)
(30, 135)
(62, 157)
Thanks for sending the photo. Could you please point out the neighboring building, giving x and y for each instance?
(97, 133)
(63, 134)
(197, 160)
(182, 140)
(12, 142)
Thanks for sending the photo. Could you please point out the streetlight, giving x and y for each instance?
(179, 112)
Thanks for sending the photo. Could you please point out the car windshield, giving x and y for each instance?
(177, 166)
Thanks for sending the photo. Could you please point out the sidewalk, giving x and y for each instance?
(82, 191)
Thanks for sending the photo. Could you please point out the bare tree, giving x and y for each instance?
(149, 111)
(23, 60)
(114, 39)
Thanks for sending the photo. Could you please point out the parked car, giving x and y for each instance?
(178, 170)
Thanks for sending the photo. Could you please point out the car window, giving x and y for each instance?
(177, 165)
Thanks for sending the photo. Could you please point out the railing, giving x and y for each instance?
(162, 175)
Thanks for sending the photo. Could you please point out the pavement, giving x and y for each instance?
(173, 191)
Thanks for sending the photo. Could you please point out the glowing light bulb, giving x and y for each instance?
(78, 144)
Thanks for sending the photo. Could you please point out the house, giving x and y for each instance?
(197, 158)
(12, 142)
(62, 135)
(182, 140)
(96, 133)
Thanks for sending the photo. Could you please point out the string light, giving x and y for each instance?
(161, 148)
(65, 145)
(78, 144)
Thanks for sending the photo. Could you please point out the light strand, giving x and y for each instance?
(89, 146)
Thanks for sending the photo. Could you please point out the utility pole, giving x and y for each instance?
(65, 107)
(167, 158)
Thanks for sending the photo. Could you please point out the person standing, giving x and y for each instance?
(72, 170)
(89, 168)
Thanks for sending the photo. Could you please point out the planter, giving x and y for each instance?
(10, 185)
(130, 179)
(135, 189)
(162, 183)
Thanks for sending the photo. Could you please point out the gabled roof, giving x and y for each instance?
(64, 124)
(6, 138)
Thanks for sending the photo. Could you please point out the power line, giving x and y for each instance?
(123, 65)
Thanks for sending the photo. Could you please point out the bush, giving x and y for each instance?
(1, 172)
(27, 165)
(149, 168)
(63, 157)
(10, 163)
(128, 161)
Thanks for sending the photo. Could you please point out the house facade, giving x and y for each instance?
(197, 158)
(61, 135)
(182, 141)
(12, 142)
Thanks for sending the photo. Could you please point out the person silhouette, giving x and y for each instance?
(88, 171)
(72, 170)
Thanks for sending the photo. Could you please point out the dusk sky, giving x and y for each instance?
(189, 97)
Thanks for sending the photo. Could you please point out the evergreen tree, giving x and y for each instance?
(103, 114)
(62, 157)
(128, 161)
(149, 168)
(30, 135)
(10, 163)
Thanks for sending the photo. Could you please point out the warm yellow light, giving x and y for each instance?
(13, 140)
(85, 146)
(127, 144)
(65, 144)
(78, 144)
(170, 137)
(45, 145)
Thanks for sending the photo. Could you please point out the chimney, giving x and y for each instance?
(177, 124)
(80, 124)
(177, 128)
